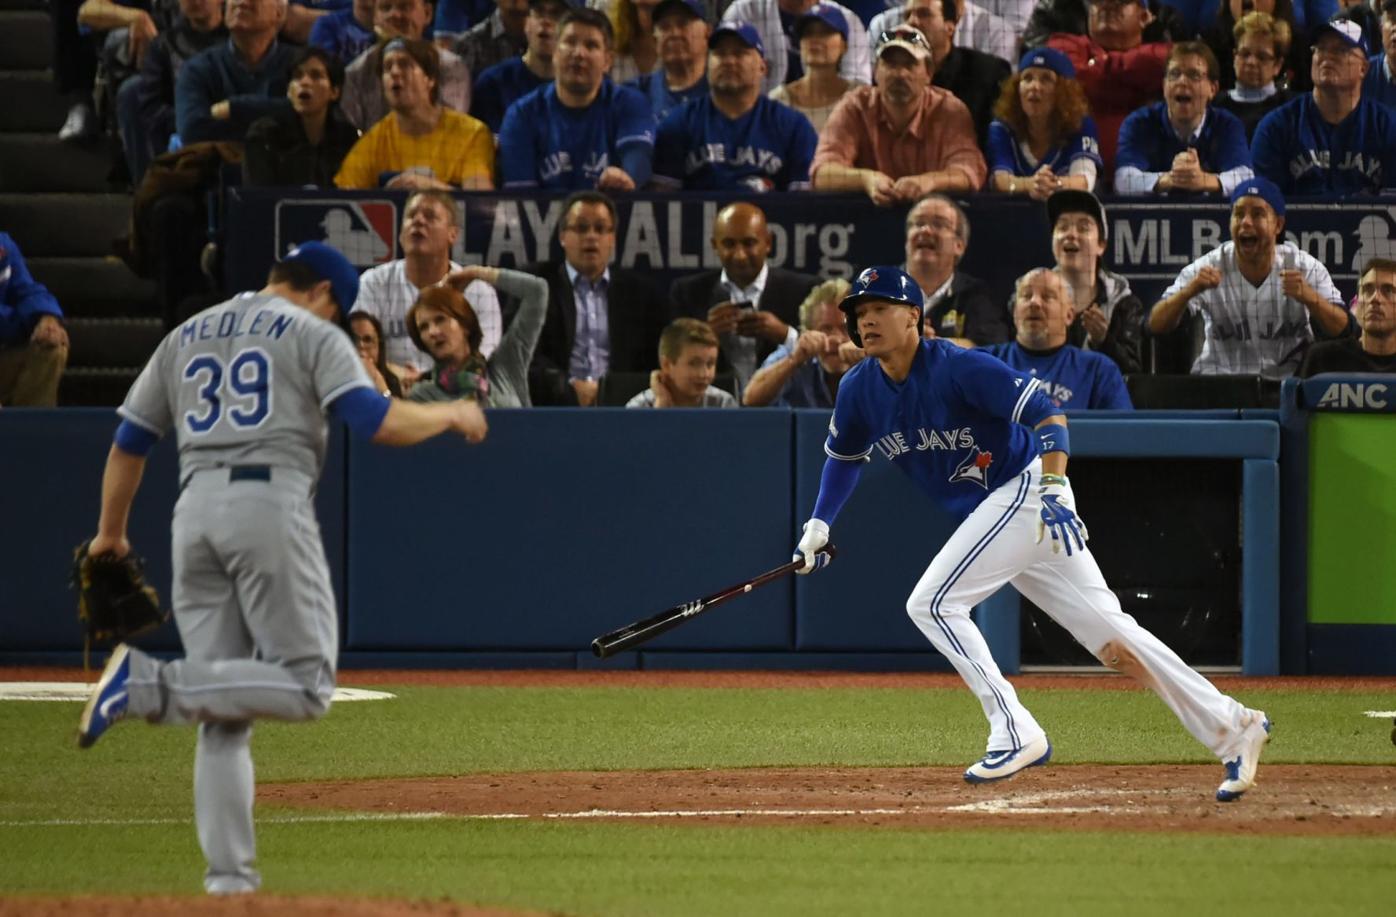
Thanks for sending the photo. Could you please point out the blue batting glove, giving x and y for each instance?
(1059, 515)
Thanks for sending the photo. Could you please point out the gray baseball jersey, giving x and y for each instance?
(246, 382)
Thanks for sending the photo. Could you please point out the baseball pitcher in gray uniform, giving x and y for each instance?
(245, 386)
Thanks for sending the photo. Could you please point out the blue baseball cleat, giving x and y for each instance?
(1000, 765)
(1240, 770)
(108, 701)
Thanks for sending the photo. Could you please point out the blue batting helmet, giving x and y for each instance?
(886, 282)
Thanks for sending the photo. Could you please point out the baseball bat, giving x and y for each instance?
(631, 635)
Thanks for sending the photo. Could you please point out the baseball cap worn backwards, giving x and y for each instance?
(1262, 188)
(743, 30)
(1349, 31)
(826, 13)
(1049, 58)
(329, 264)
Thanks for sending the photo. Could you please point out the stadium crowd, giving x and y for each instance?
(913, 103)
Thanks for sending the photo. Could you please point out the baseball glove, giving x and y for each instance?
(114, 601)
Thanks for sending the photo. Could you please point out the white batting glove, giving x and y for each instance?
(1059, 515)
(816, 536)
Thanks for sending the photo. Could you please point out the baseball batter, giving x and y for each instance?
(244, 385)
(991, 448)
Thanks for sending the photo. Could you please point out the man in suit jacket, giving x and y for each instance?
(600, 319)
(958, 306)
(753, 307)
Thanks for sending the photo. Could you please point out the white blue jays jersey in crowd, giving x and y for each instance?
(545, 144)
(1071, 377)
(959, 425)
(247, 382)
(1005, 154)
(1303, 154)
(767, 149)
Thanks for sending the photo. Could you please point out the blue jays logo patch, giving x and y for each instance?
(975, 468)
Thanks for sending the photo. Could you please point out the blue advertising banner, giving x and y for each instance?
(829, 235)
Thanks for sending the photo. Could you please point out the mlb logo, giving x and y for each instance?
(364, 231)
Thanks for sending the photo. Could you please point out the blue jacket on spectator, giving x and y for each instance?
(545, 144)
(1073, 378)
(1303, 154)
(767, 149)
(23, 300)
(663, 100)
(341, 34)
(1201, 14)
(1005, 155)
(1148, 144)
(1378, 84)
(498, 87)
(217, 75)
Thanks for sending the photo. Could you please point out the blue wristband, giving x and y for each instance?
(1053, 438)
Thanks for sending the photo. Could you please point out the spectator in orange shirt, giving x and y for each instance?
(903, 138)
(1118, 69)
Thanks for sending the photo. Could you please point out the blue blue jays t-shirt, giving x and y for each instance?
(545, 144)
(1070, 377)
(662, 99)
(1377, 86)
(341, 35)
(767, 149)
(959, 424)
(1303, 154)
(1149, 143)
(500, 86)
(1005, 155)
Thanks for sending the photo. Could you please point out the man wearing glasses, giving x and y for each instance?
(1118, 69)
(601, 319)
(903, 138)
(1331, 141)
(1183, 145)
(1262, 47)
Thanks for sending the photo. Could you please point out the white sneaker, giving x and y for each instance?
(1000, 765)
(1240, 770)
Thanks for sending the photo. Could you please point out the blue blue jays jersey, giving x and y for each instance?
(1005, 155)
(662, 99)
(767, 149)
(1303, 154)
(1070, 377)
(1377, 86)
(545, 144)
(1149, 143)
(498, 87)
(959, 424)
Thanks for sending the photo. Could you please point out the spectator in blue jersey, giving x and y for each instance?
(734, 137)
(1043, 139)
(806, 375)
(505, 83)
(1183, 145)
(1109, 317)
(496, 39)
(1380, 83)
(33, 341)
(1073, 378)
(1330, 141)
(221, 91)
(822, 36)
(1262, 43)
(581, 130)
(347, 33)
(681, 36)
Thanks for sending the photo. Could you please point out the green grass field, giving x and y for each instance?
(117, 819)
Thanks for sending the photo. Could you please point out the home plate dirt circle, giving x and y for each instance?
(1288, 800)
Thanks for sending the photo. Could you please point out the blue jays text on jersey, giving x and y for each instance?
(1304, 154)
(959, 425)
(544, 143)
(1071, 377)
(702, 149)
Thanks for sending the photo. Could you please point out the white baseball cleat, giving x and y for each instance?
(1240, 770)
(1000, 765)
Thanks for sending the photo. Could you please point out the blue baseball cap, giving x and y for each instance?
(693, 7)
(329, 264)
(826, 13)
(883, 282)
(1050, 58)
(1349, 31)
(1262, 188)
(743, 30)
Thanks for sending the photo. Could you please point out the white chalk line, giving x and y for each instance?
(1380, 714)
(68, 691)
